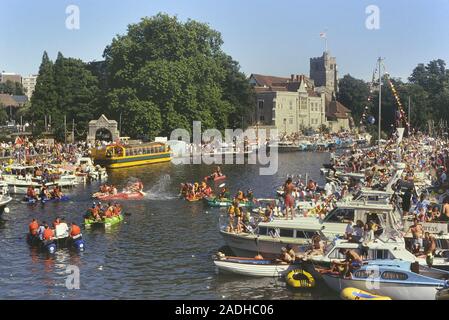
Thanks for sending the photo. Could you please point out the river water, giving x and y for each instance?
(162, 249)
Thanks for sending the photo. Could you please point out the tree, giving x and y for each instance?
(354, 93)
(44, 101)
(77, 91)
(173, 73)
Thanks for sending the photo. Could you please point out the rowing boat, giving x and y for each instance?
(120, 196)
(215, 202)
(105, 222)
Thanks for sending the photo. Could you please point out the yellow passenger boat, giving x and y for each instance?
(120, 156)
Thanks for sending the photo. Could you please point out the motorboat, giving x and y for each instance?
(400, 280)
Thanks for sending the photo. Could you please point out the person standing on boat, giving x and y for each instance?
(417, 232)
(289, 200)
(445, 214)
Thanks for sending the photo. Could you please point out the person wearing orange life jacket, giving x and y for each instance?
(48, 233)
(116, 210)
(75, 231)
(33, 227)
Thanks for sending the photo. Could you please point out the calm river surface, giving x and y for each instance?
(162, 250)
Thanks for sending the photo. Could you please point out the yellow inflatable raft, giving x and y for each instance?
(357, 294)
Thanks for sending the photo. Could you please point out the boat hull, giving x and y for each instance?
(107, 222)
(134, 161)
(251, 269)
(247, 245)
(396, 291)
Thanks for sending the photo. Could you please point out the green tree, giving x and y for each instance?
(77, 92)
(173, 73)
(44, 101)
(353, 93)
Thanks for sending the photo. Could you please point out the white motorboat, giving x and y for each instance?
(397, 279)
(252, 267)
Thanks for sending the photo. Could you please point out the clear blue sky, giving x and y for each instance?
(265, 36)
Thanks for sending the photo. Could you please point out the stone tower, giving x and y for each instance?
(323, 70)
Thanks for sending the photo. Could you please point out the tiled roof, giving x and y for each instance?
(8, 100)
(336, 110)
(267, 81)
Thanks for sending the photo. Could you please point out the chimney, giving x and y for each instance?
(292, 77)
(297, 77)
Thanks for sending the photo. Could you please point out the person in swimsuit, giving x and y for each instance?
(288, 197)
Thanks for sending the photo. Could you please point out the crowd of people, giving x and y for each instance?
(99, 211)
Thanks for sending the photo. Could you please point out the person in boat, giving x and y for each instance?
(217, 173)
(445, 214)
(48, 233)
(268, 214)
(75, 231)
(289, 200)
(233, 211)
(40, 230)
(240, 196)
(62, 229)
(57, 193)
(31, 193)
(291, 252)
(33, 228)
(250, 196)
(285, 257)
(56, 222)
(239, 214)
(114, 190)
(417, 233)
(224, 194)
(116, 210)
(108, 213)
(352, 262)
(430, 244)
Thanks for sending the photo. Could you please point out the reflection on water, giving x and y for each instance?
(162, 249)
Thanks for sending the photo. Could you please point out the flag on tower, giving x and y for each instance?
(323, 35)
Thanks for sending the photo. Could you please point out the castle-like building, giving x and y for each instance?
(299, 103)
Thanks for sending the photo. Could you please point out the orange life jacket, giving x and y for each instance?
(33, 226)
(75, 230)
(48, 234)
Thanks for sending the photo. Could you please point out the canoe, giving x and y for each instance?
(357, 294)
(214, 202)
(120, 196)
(106, 222)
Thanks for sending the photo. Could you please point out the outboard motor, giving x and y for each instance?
(79, 244)
(50, 247)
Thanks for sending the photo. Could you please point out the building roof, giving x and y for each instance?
(267, 81)
(8, 100)
(336, 110)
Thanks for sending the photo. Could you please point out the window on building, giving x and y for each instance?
(260, 104)
(262, 118)
(290, 120)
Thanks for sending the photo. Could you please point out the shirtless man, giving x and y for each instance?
(417, 232)
(445, 214)
(352, 262)
(288, 197)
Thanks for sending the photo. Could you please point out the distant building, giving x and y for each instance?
(297, 103)
(29, 84)
(14, 77)
(290, 106)
(12, 103)
(323, 71)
